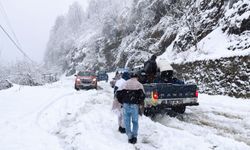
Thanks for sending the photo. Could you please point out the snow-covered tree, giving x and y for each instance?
(75, 17)
(62, 38)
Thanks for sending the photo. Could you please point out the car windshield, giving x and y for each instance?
(121, 70)
(86, 73)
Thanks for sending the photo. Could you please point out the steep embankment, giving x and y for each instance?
(221, 64)
(225, 76)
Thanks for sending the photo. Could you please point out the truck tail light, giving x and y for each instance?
(155, 95)
(196, 93)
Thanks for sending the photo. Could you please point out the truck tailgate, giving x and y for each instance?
(171, 94)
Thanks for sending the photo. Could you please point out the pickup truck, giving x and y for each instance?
(161, 97)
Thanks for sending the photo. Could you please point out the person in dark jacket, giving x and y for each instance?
(150, 68)
(132, 96)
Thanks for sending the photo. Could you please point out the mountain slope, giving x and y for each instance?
(107, 37)
(114, 33)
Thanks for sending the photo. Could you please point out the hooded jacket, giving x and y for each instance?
(132, 92)
(119, 83)
(150, 66)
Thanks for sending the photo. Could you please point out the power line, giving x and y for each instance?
(8, 23)
(18, 47)
(16, 41)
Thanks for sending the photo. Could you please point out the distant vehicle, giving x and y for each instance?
(102, 76)
(85, 80)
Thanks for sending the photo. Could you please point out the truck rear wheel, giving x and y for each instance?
(148, 112)
(179, 109)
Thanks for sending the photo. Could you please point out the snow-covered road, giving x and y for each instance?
(55, 117)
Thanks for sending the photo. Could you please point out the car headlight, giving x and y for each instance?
(78, 80)
(94, 79)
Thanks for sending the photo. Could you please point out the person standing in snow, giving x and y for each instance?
(116, 77)
(132, 96)
(150, 68)
(118, 106)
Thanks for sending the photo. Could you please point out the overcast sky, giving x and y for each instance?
(31, 20)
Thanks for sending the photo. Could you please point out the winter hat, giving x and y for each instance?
(153, 57)
(125, 76)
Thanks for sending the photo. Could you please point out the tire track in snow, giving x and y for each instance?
(48, 105)
(219, 123)
(69, 140)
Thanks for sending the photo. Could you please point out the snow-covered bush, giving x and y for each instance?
(25, 73)
(5, 84)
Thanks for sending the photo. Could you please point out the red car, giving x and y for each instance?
(85, 80)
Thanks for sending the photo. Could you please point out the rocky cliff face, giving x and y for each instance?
(225, 76)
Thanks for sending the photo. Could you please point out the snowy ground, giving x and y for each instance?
(55, 117)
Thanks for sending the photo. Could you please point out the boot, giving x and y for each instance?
(134, 140)
(130, 141)
(122, 130)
